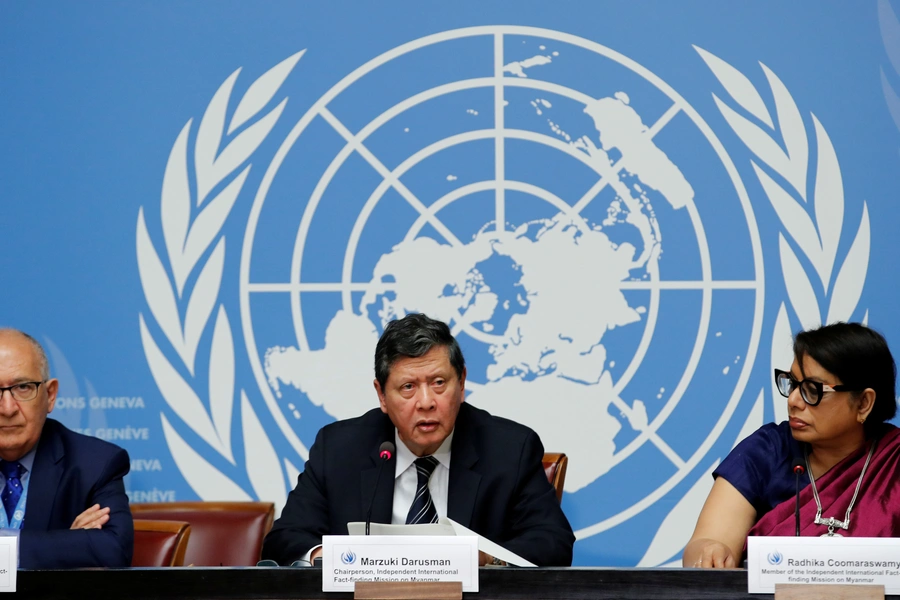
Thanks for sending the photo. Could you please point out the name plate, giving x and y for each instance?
(818, 561)
(347, 559)
(9, 560)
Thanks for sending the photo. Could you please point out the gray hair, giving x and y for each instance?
(413, 336)
(43, 363)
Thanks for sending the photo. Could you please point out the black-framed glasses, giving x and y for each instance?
(811, 391)
(25, 391)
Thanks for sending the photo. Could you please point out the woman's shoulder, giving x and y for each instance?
(772, 437)
(759, 466)
(777, 431)
(757, 449)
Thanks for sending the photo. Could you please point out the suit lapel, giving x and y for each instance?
(382, 505)
(44, 481)
(464, 481)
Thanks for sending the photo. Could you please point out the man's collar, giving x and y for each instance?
(27, 459)
(405, 456)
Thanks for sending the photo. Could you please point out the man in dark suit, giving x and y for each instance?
(63, 491)
(452, 459)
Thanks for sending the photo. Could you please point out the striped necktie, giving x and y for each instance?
(422, 509)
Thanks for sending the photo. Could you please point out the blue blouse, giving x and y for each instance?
(760, 467)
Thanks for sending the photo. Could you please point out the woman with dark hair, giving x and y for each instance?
(840, 393)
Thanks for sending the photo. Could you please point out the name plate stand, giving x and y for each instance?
(374, 566)
(799, 591)
(400, 590)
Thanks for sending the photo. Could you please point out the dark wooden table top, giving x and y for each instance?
(500, 583)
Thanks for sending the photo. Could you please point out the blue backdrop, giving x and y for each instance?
(623, 210)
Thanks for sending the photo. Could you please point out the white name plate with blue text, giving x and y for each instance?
(818, 560)
(347, 559)
(9, 559)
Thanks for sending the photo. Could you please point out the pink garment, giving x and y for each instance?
(877, 509)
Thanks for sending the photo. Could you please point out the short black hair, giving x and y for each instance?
(413, 336)
(860, 358)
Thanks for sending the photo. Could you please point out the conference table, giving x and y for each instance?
(501, 583)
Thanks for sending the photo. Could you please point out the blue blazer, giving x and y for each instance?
(497, 487)
(72, 472)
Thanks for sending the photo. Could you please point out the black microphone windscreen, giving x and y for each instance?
(386, 447)
(799, 466)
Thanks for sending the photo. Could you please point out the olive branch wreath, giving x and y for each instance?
(784, 174)
(890, 36)
(189, 275)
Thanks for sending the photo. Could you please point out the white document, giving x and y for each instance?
(822, 560)
(444, 526)
(9, 558)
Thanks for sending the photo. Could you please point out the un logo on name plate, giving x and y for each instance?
(568, 213)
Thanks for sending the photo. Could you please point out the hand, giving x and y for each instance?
(315, 554)
(93, 518)
(721, 530)
(714, 555)
(485, 558)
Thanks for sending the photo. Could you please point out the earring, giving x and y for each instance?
(862, 420)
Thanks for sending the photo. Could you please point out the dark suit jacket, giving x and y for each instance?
(497, 487)
(71, 473)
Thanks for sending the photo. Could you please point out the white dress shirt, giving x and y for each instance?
(406, 479)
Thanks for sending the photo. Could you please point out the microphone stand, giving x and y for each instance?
(385, 453)
(799, 469)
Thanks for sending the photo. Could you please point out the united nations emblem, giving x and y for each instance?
(572, 217)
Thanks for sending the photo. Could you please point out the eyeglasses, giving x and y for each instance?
(811, 391)
(23, 392)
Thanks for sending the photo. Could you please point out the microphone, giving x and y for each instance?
(799, 468)
(385, 453)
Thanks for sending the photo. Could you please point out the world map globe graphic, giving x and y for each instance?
(545, 196)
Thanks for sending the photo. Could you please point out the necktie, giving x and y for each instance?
(13, 490)
(422, 509)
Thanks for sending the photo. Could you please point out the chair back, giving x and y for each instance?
(160, 543)
(222, 533)
(555, 465)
